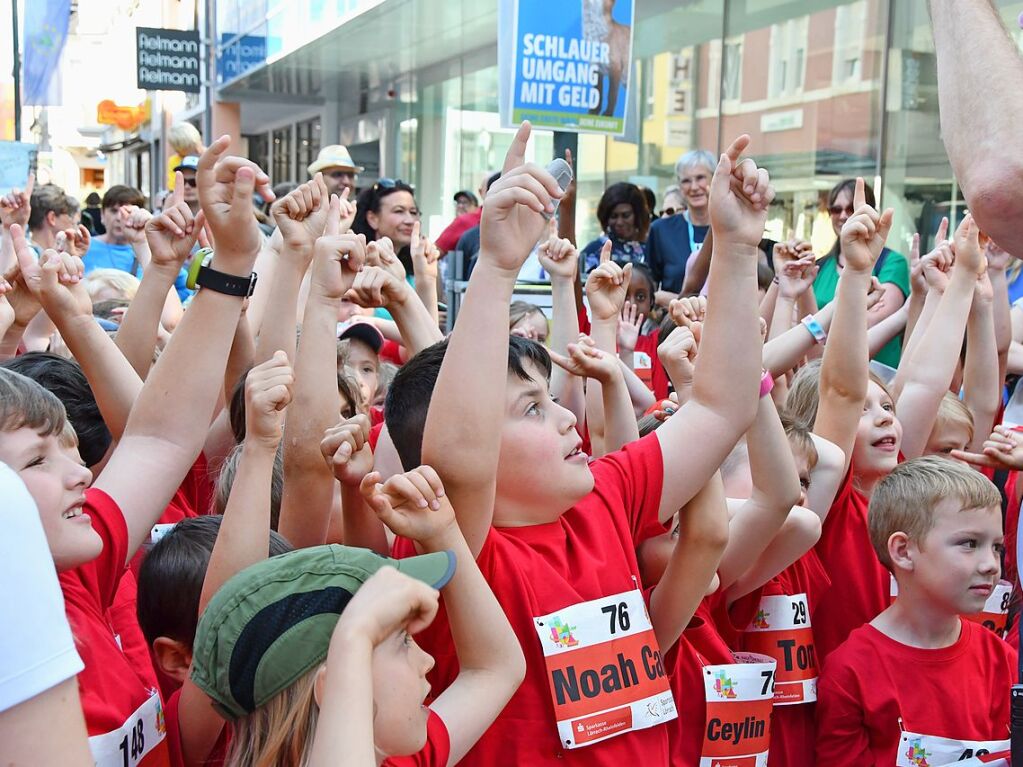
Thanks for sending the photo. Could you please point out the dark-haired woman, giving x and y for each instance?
(388, 209)
(625, 221)
(891, 269)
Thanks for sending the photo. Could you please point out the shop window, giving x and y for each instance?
(307, 142)
(283, 165)
(259, 149)
(731, 81)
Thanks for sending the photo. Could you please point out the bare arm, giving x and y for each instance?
(727, 374)
(308, 482)
(982, 382)
(560, 260)
(783, 353)
(880, 333)
(697, 276)
(703, 535)
(989, 163)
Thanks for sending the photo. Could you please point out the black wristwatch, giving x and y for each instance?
(202, 275)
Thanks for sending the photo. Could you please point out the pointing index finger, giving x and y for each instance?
(737, 147)
(516, 155)
(333, 216)
(605, 252)
(179, 188)
(859, 196)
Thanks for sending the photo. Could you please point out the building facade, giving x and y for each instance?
(827, 89)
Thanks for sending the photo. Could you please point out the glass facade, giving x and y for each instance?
(826, 89)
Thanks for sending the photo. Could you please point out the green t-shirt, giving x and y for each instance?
(893, 269)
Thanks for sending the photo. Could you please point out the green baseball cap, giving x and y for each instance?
(271, 623)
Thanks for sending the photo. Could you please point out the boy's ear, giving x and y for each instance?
(900, 551)
(319, 684)
(173, 658)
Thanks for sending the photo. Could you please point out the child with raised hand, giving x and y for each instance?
(350, 689)
(308, 501)
(93, 533)
(559, 549)
(893, 693)
(560, 260)
(243, 539)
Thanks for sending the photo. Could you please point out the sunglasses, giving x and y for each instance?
(838, 210)
(390, 183)
(189, 182)
(668, 212)
(341, 174)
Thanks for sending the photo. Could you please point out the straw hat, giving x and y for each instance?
(334, 156)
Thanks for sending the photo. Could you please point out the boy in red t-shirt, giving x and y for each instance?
(555, 536)
(919, 682)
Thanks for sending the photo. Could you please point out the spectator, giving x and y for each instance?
(466, 219)
(339, 170)
(674, 239)
(52, 212)
(625, 220)
(92, 216)
(465, 202)
(184, 139)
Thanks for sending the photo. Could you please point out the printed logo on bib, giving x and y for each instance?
(995, 614)
(781, 630)
(604, 669)
(642, 365)
(139, 742)
(159, 531)
(739, 697)
(916, 750)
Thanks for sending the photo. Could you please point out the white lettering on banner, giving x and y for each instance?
(604, 669)
(140, 742)
(558, 47)
(740, 698)
(161, 43)
(781, 630)
(916, 750)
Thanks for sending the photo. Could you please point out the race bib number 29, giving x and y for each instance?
(604, 669)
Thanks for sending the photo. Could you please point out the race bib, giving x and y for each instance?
(995, 614)
(643, 368)
(740, 697)
(604, 668)
(781, 630)
(917, 750)
(141, 740)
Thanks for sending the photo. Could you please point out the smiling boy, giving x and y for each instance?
(918, 680)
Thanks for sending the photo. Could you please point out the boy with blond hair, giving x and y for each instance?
(919, 682)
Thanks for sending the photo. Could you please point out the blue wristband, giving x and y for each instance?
(811, 324)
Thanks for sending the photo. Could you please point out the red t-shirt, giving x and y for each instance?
(110, 687)
(452, 232)
(701, 644)
(793, 729)
(872, 683)
(587, 553)
(647, 344)
(434, 754)
(171, 715)
(860, 585)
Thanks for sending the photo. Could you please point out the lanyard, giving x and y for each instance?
(694, 246)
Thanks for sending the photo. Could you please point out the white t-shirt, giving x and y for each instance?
(36, 648)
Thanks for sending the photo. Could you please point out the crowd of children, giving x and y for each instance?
(716, 538)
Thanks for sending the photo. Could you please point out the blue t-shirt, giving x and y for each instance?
(668, 249)
(104, 255)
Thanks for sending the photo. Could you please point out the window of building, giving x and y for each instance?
(283, 165)
(787, 67)
(259, 149)
(307, 143)
(731, 81)
(850, 30)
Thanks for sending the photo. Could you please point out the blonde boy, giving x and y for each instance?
(918, 681)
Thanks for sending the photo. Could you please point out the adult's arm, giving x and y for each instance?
(988, 163)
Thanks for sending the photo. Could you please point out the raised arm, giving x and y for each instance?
(997, 262)
(988, 163)
(377, 286)
(244, 535)
(702, 537)
(301, 216)
(783, 353)
(982, 382)
(490, 661)
(308, 482)
(56, 280)
(473, 378)
(346, 449)
(425, 270)
(727, 375)
(929, 370)
(171, 237)
(168, 424)
(585, 360)
(843, 381)
(560, 260)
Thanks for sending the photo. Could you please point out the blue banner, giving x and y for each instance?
(572, 60)
(46, 27)
(16, 160)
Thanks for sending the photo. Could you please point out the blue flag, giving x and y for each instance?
(46, 27)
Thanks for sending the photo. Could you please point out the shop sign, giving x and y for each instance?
(570, 60)
(168, 59)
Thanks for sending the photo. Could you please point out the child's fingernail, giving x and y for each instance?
(435, 505)
(422, 503)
